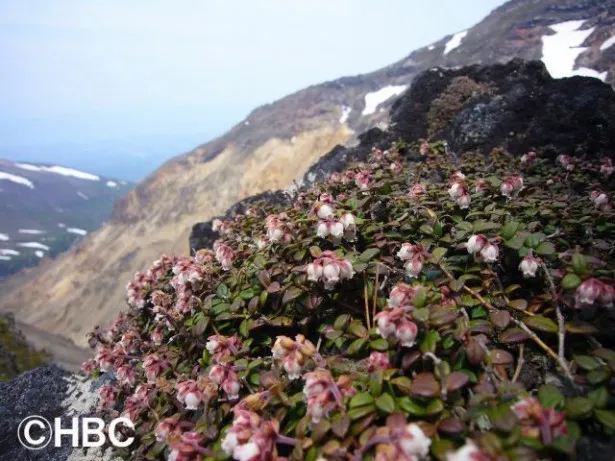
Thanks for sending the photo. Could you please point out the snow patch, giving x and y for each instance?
(6, 251)
(82, 195)
(561, 50)
(454, 42)
(111, 184)
(31, 231)
(61, 225)
(64, 171)
(608, 43)
(431, 47)
(374, 99)
(37, 245)
(39, 253)
(5, 258)
(16, 179)
(4, 237)
(76, 230)
(246, 123)
(345, 113)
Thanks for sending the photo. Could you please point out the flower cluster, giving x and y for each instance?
(225, 255)
(220, 347)
(250, 438)
(323, 394)
(511, 185)
(478, 244)
(330, 269)
(538, 422)
(458, 190)
(225, 376)
(413, 257)
(566, 162)
(394, 322)
(592, 290)
(293, 354)
(607, 167)
(278, 228)
(529, 158)
(601, 201)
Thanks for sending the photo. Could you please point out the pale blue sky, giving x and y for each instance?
(81, 70)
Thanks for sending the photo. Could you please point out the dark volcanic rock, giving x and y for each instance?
(522, 108)
(36, 392)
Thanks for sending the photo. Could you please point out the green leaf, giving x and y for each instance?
(586, 362)
(362, 398)
(356, 346)
(503, 418)
(579, 407)
(369, 254)
(379, 344)
(222, 291)
(430, 342)
(571, 281)
(516, 243)
(598, 375)
(545, 249)
(375, 382)
(386, 403)
(606, 418)
(291, 293)
(358, 329)
(360, 412)
(437, 254)
(599, 397)
(541, 323)
(403, 383)
(434, 407)
(341, 321)
(579, 264)
(550, 396)
(509, 229)
(482, 226)
(410, 406)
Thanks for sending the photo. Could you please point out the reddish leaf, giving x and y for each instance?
(425, 385)
(501, 357)
(456, 380)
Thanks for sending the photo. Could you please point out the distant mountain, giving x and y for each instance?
(45, 208)
(277, 143)
(130, 158)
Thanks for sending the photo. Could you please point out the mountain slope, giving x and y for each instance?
(45, 208)
(277, 143)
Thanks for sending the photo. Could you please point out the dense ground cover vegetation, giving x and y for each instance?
(457, 308)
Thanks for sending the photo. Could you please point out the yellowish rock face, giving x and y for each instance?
(85, 286)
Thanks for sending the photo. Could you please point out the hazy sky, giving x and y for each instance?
(79, 70)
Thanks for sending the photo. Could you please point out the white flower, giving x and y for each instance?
(211, 346)
(490, 253)
(336, 229)
(529, 265)
(246, 452)
(230, 442)
(476, 243)
(463, 201)
(406, 252)
(331, 275)
(414, 267)
(192, 401)
(456, 190)
(468, 452)
(385, 327)
(314, 272)
(322, 230)
(325, 211)
(414, 442)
